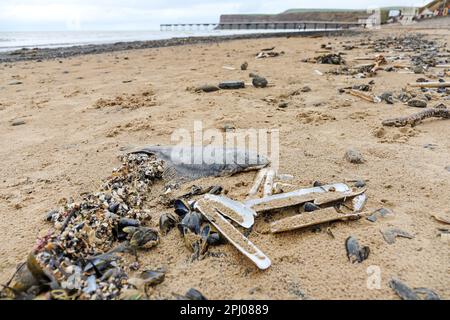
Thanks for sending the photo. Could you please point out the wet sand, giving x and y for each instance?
(70, 141)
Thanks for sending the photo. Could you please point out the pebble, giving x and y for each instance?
(244, 66)
(15, 83)
(259, 82)
(17, 123)
(283, 105)
(305, 89)
(354, 156)
(208, 88)
(232, 85)
(417, 103)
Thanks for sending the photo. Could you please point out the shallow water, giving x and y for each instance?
(16, 40)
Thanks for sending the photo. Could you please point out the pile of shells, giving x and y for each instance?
(77, 260)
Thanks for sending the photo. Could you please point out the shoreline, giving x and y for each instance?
(38, 54)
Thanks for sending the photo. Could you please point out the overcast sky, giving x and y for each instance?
(19, 15)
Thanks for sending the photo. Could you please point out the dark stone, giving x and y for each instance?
(417, 103)
(259, 82)
(232, 85)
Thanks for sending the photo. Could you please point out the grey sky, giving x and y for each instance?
(18, 15)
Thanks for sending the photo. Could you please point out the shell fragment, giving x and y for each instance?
(237, 239)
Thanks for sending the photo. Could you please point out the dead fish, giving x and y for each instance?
(190, 163)
(390, 234)
(354, 252)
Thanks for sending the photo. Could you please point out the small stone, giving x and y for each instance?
(387, 97)
(360, 184)
(283, 105)
(305, 89)
(207, 88)
(417, 103)
(354, 156)
(232, 85)
(17, 123)
(15, 83)
(244, 66)
(447, 168)
(259, 82)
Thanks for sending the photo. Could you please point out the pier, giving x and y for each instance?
(272, 25)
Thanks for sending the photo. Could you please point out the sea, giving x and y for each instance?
(10, 41)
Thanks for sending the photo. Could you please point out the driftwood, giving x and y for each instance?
(429, 84)
(362, 95)
(414, 119)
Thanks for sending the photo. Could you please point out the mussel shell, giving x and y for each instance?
(193, 221)
(144, 237)
(310, 207)
(153, 277)
(215, 239)
(167, 221)
(194, 294)
(125, 222)
(181, 207)
(354, 252)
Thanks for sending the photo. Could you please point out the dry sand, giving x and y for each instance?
(67, 145)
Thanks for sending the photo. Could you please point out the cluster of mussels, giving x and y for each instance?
(77, 260)
(197, 233)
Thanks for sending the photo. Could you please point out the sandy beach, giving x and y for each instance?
(63, 122)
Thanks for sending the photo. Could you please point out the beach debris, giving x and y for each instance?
(15, 83)
(441, 217)
(16, 123)
(437, 112)
(257, 182)
(359, 184)
(436, 84)
(382, 212)
(319, 73)
(330, 58)
(233, 210)
(191, 294)
(268, 184)
(387, 97)
(364, 96)
(355, 252)
(417, 103)
(310, 207)
(207, 88)
(268, 53)
(228, 68)
(305, 89)
(283, 105)
(227, 85)
(259, 82)
(389, 234)
(307, 219)
(322, 194)
(354, 156)
(87, 237)
(237, 239)
(407, 293)
(244, 66)
(190, 163)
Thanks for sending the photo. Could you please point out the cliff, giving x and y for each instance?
(298, 15)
